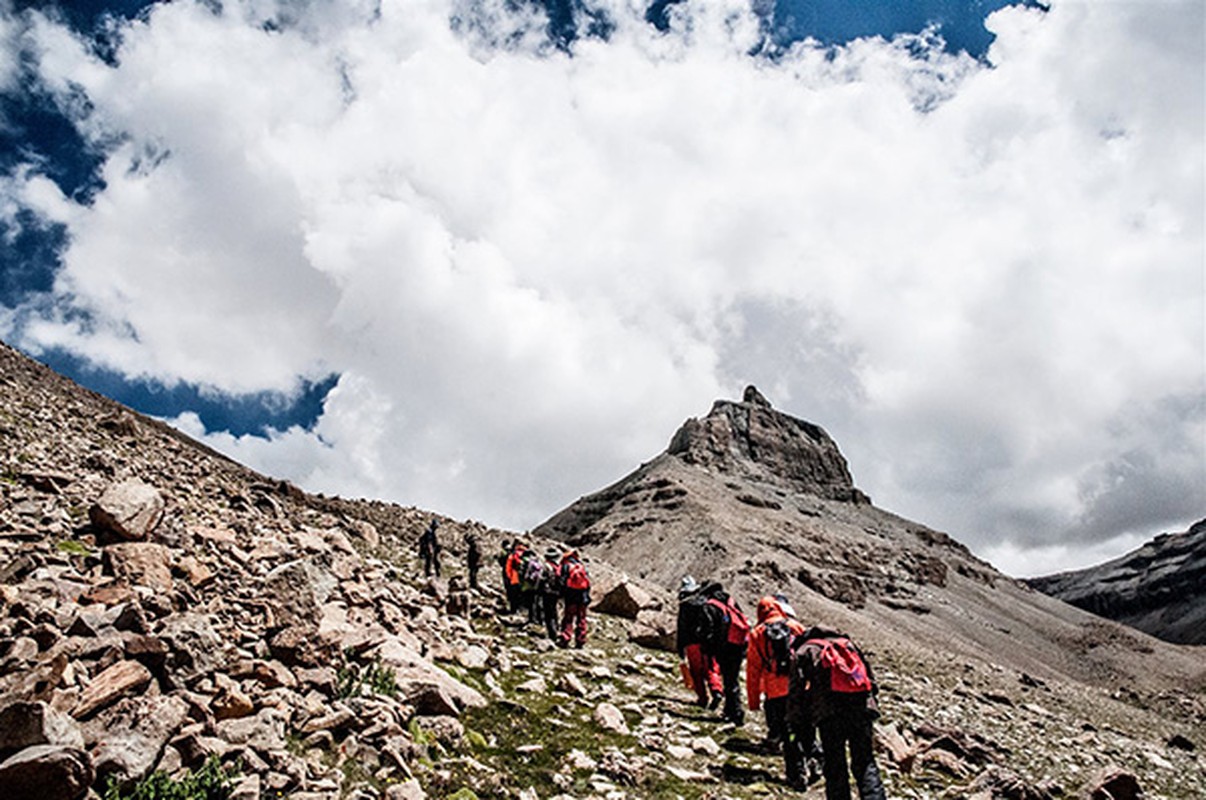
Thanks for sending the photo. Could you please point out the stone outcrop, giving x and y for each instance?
(753, 440)
(1159, 588)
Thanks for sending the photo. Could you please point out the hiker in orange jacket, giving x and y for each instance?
(511, 576)
(767, 674)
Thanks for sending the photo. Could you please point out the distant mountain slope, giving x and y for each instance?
(161, 604)
(764, 502)
(1159, 588)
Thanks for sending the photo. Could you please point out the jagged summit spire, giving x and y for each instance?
(754, 397)
(753, 439)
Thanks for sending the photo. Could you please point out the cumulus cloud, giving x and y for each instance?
(529, 266)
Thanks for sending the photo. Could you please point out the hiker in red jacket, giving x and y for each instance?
(701, 672)
(575, 591)
(832, 687)
(767, 671)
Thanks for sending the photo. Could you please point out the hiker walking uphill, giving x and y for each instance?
(701, 672)
(548, 591)
(510, 561)
(473, 558)
(724, 634)
(767, 671)
(531, 574)
(831, 686)
(429, 550)
(575, 591)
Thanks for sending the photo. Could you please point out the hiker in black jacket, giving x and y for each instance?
(724, 636)
(833, 688)
(429, 550)
(548, 591)
(473, 558)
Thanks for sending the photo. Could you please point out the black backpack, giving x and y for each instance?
(777, 657)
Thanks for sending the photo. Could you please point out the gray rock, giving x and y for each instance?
(136, 735)
(626, 600)
(24, 724)
(129, 510)
(141, 564)
(47, 772)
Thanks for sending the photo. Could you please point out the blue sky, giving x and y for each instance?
(484, 258)
(39, 131)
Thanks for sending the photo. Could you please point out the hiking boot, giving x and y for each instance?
(715, 704)
(579, 645)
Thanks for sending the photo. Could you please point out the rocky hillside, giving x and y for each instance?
(1159, 588)
(169, 615)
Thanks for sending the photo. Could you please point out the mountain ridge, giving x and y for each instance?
(1158, 588)
(244, 619)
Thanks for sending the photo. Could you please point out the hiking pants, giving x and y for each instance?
(705, 675)
(473, 576)
(549, 601)
(535, 608)
(794, 747)
(728, 658)
(573, 623)
(853, 729)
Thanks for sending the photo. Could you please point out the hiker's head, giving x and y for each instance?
(768, 607)
(688, 586)
(784, 606)
(552, 554)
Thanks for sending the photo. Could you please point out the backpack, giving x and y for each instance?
(778, 647)
(575, 576)
(847, 670)
(735, 628)
(533, 571)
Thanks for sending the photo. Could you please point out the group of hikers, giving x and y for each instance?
(810, 680)
(535, 585)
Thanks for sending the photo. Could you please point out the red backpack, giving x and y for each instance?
(738, 626)
(847, 670)
(575, 576)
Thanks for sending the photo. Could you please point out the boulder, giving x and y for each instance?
(47, 772)
(655, 630)
(295, 592)
(194, 647)
(411, 668)
(25, 725)
(135, 735)
(626, 600)
(611, 718)
(129, 510)
(1114, 784)
(111, 685)
(141, 564)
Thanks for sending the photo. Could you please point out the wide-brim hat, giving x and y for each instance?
(552, 553)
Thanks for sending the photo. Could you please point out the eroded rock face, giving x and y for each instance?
(750, 437)
(1159, 588)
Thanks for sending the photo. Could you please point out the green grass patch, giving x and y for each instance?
(211, 781)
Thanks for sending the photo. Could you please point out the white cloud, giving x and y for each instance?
(529, 268)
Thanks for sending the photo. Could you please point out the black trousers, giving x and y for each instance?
(728, 658)
(795, 748)
(853, 730)
(549, 601)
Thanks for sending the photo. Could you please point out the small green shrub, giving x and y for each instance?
(73, 547)
(352, 679)
(211, 782)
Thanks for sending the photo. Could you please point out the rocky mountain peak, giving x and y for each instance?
(753, 440)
